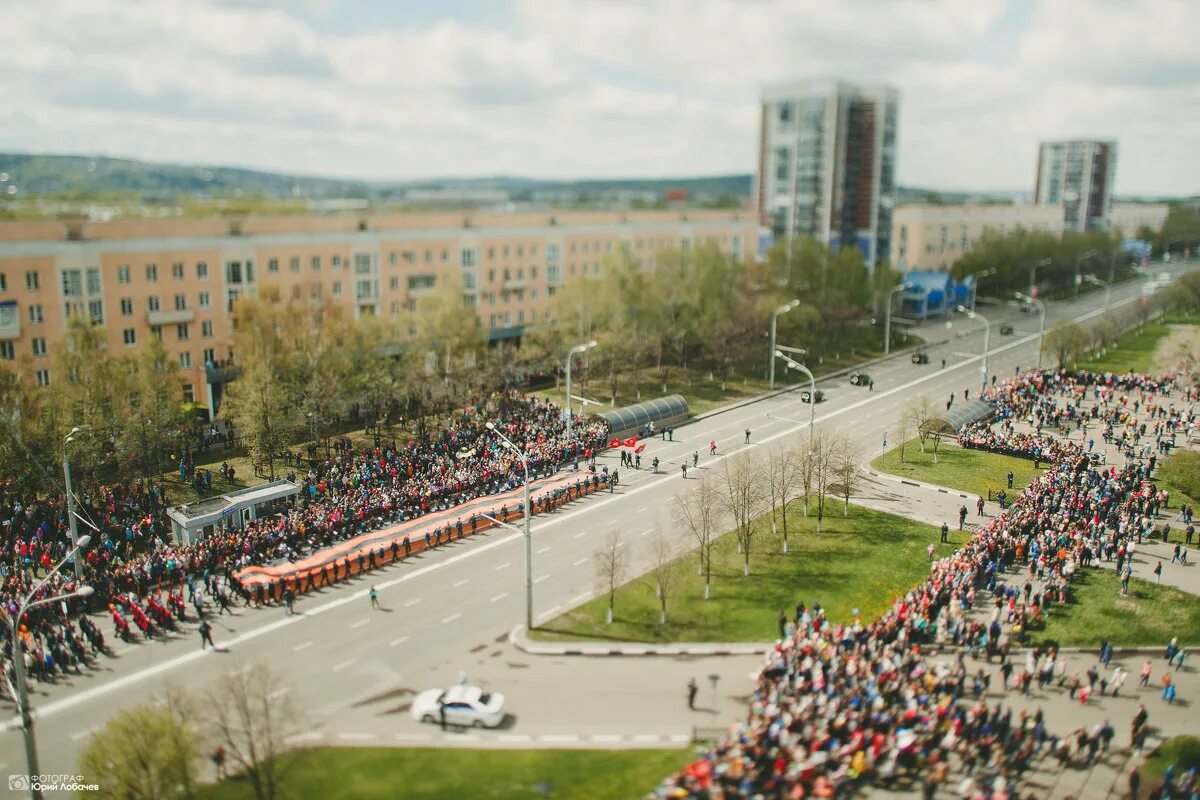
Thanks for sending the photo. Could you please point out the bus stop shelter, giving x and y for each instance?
(957, 417)
(662, 411)
(194, 521)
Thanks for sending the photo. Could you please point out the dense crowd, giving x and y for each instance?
(138, 571)
(840, 705)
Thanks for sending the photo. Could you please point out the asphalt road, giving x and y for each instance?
(349, 668)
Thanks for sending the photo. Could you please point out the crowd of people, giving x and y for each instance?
(840, 705)
(137, 570)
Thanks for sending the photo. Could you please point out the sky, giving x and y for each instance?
(596, 88)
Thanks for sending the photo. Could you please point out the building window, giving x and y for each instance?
(364, 289)
(181, 302)
(273, 265)
(421, 282)
(233, 272)
(296, 292)
(445, 255)
(185, 360)
(335, 261)
(126, 307)
(205, 300)
(152, 302)
(393, 258)
(206, 329)
(156, 332)
(201, 270)
(294, 263)
(316, 263)
(96, 311)
(337, 288)
(43, 377)
(470, 300)
(181, 331)
(130, 337)
(394, 283)
(410, 257)
(72, 282)
(362, 263)
(395, 308)
(123, 273)
(210, 356)
(468, 281)
(177, 270)
(39, 346)
(151, 272)
(3, 283)
(35, 314)
(467, 257)
(93, 280)
(189, 393)
(7, 352)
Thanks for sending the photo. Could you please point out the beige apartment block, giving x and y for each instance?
(1129, 218)
(934, 237)
(179, 279)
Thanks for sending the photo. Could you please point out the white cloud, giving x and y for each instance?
(600, 87)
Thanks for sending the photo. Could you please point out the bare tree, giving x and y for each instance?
(904, 430)
(824, 447)
(664, 571)
(250, 714)
(806, 469)
(845, 469)
(784, 477)
(742, 495)
(697, 513)
(611, 563)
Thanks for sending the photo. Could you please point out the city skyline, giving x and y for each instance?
(368, 90)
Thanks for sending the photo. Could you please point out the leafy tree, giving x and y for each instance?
(1065, 340)
(250, 713)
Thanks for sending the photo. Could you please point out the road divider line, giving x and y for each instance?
(412, 602)
(399, 641)
(543, 550)
(577, 563)
(499, 597)
(303, 646)
(360, 623)
(542, 578)
(558, 738)
(451, 618)
(505, 565)
(460, 584)
(342, 666)
(607, 737)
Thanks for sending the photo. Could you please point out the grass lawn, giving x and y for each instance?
(973, 471)
(1179, 474)
(1148, 615)
(1135, 350)
(1182, 751)
(343, 773)
(862, 561)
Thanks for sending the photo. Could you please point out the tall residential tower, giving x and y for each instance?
(827, 164)
(1078, 175)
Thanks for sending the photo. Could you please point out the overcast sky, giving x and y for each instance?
(595, 88)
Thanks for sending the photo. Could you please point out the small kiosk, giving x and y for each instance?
(194, 521)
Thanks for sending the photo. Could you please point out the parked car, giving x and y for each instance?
(806, 395)
(465, 705)
(1006, 329)
(920, 357)
(860, 379)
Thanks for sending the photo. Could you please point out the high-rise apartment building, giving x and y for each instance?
(827, 164)
(1077, 175)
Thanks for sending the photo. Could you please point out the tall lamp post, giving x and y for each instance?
(23, 709)
(783, 309)
(1033, 268)
(1079, 260)
(528, 538)
(74, 531)
(1090, 278)
(987, 334)
(1041, 325)
(812, 386)
(887, 317)
(579, 348)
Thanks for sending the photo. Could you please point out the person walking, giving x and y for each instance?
(747, 436)
(374, 597)
(979, 506)
(1010, 479)
(692, 691)
(218, 759)
(945, 533)
(289, 600)
(1158, 573)
(712, 447)
(962, 517)
(683, 466)
(206, 635)
(696, 460)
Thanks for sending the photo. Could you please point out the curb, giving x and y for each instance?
(920, 484)
(522, 642)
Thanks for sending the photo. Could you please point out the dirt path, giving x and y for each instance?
(1176, 346)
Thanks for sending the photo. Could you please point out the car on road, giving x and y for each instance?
(464, 706)
(1006, 329)
(806, 395)
(860, 379)
(920, 357)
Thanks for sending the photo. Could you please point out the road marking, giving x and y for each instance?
(460, 584)
(647, 533)
(360, 623)
(279, 692)
(356, 737)
(504, 565)
(499, 597)
(607, 737)
(395, 642)
(579, 535)
(412, 602)
(579, 598)
(680, 738)
(451, 618)
(514, 737)
(414, 737)
(75, 737)
(307, 736)
(550, 612)
(303, 646)
(555, 738)
(342, 666)
(543, 550)
(643, 509)
(647, 737)
(539, 580)
(577, 563)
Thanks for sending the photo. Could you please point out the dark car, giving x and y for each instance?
(1006, 329)
(806, 395)
(920, 358)
(860, 379)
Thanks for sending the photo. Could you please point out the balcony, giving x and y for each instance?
(10, 321)
(221, 372)
(517, 283)
(170, 317)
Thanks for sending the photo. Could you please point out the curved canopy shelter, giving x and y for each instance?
(958, 417)
(662, 411)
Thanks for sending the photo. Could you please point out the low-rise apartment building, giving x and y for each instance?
(179, 279)
(934, 237)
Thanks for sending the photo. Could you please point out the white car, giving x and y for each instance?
(464, 705)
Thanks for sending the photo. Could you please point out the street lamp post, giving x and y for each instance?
(783, 309)
(987, 333)
(887, 318)
(1041, 325)
(1033, 268)
(1079, 260)
(23, 709)
(579, 348)
(74, 531)
(987, 273)
(1090, 278)
(528, 538)
(812, 386)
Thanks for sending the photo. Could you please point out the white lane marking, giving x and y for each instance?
(140, 676)
(647, 737)
(460, 584)
(543, 550)
(607, 737)
(505, 565)
(542, 578)
(302, 646)
(556, 738)
(395, 642)
(451, 618)
(412, 602)
(414, 737)
(342, 666)
(499, 597)
(647, 533)
(643, 509)
(360, 623)
(307, 736)
(279, 692)
(75, 737)
(577, 563)
(680, 738)
(356, 737)
(514, 737)
(579, 535)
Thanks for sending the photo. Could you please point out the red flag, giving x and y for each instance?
(614, 442)
(631, 441)
(640, 448)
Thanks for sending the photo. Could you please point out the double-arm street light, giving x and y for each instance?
(783, 309)
(504, 440)
(887, 317)
(579, 348)
(1041, 325)
(22, 693)
(1090, 278)
(987, 334)
(1079, 260)
(812, 386)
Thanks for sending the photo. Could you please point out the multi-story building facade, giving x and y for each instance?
(934, 237)
(179, 279)
(1129, 218)
(1078, 176)
(827, 164)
